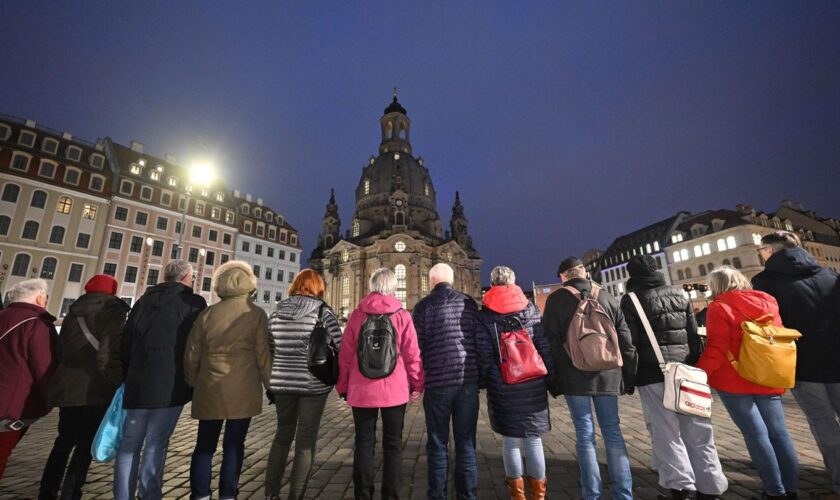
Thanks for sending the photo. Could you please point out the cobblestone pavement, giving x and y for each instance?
(332, 477)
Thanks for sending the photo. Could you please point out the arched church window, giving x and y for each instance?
(403, 133)
(736, 263)
(328, 240)
(426, 188)
(399, 219)
(367, 186)
(356, 228)
(400, 273)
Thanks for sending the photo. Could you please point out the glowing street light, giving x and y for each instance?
(201, 173)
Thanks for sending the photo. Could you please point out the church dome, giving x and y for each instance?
(395, 107)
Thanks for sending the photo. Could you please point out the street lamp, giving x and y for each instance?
(201, 173)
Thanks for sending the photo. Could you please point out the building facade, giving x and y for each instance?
(270, 245)
(152, 199)
(396, 225)
(54, 200)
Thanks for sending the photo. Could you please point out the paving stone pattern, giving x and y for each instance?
(333, 478)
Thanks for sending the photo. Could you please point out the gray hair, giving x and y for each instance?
(28, 290)
(441, 273)
(780, 240)
(502, 275)
(176, 270)
(574, 272)
(383, 281)
(727, 278)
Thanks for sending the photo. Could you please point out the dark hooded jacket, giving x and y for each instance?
(672, 319)
(86, 376)
(289, 329)
(516, 410)
(560, 308)
(809, 301)
(153, 344)
(445, 323)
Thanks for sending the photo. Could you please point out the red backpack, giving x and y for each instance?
(519, 359)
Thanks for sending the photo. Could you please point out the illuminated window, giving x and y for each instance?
(426, 188)
(684, 254)
(756, 239)
(730, 242)
(399, 272)
(345, 295)
(399, 246)
(173, 181)
(424, 283)
(721, 245)
(707, 249)
(154, 175)
(356, 228)
(698, 251)
(367, 186)
(655, 246)
(135, 169)
(89, 212)
(648, 248)
(65, 204)
(220, 197)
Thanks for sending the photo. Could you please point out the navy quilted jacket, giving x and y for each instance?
(516, 410)
(445, 323)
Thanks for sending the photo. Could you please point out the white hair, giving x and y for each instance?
(502, 275)
(383, 281)
(28, 290)
(727, 278)
(441, 273)
(176, 270)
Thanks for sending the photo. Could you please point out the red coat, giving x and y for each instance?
(723, 335)
(26, 358)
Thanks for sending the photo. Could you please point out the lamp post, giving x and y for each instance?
(202, 173)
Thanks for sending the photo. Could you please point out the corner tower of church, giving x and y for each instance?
(395, 224)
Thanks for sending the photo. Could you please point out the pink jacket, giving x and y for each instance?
(407, 377)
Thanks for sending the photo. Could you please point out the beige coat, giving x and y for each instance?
(227, 357)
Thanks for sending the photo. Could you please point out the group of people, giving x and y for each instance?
(171, 348)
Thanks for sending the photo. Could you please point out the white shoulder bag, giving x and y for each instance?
(686, 389)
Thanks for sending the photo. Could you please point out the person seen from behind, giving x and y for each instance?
(386, 396)
(445, 323)
(28, 343)
(756, 410)
(809, 301)
(683, 445)
(152, 352)
(299, 397)
(87, 376)
(518, 412)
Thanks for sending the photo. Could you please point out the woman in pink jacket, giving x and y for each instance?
(389, 391)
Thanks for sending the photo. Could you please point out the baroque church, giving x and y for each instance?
(395, 225)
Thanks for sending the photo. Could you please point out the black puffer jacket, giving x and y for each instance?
(289, 329)
(672, 319)
(517, 410)
(153, 344)
(809, 301)
(559, 311)
(85, 376)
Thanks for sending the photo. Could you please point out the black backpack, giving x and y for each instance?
(322, 358)
(377, 347)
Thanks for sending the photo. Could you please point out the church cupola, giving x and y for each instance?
(331, 225)
(395, 128)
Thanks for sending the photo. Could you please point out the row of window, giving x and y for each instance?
(156, 248)
(248, 228)
(147, 192)
(48, 269)
(152, 275)
(704, 269)
(269, 251)
(269, 216)
(31, 229)
(266, 296)
(620, 273)
(625, 255)
(50, 145)
(47, 170)
(703, 249)
(162, 223)
(11, 193)
(269, 273)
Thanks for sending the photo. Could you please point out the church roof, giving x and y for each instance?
(395, 107)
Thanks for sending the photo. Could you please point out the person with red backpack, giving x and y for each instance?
(513, 361)
(379, 372)
(595, 363)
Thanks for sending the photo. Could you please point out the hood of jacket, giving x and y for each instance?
(157, 295)
(234, 279)
(505, 299)
(297, 307)
(749, 303)
(93, 303)
(793, 261)
(377, 303)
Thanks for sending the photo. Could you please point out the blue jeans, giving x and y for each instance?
(233, 450)
(606, 409)
(458, 403)
(149, 430)
(821, 404)
(512, 450)
(761, 420)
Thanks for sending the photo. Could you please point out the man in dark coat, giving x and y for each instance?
(445, 323)
(583, 389)
(153, 344)
(27, 347)
(87, 376)
(683, 445)
(809, 301)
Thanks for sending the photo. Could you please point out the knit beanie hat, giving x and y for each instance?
(641, 265)
(102, 283)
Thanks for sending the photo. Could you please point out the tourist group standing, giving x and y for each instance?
(171, 348)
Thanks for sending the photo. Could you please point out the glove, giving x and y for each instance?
(553, 388)
(270, 396)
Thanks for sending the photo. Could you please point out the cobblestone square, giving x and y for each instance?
(332, 476)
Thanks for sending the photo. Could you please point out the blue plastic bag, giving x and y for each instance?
(108, 437)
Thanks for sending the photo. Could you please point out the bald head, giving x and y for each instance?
(441, 273)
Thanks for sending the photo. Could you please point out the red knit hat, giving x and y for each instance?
(102, 283)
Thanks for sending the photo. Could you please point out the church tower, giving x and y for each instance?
(331, 224)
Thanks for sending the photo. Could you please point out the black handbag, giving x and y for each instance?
(322, 359)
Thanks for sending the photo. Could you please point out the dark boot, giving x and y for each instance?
(675, 495)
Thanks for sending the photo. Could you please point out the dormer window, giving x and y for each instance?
(49, 145)
(154, 175)
(97, 161)
(135, 169)
(205, 193)
(229, 217)
(269, 216)
(280, 220)
(257, 212)
(5, 131)
(788, 225)
(26, 138)
(220, 197)
(245, 209)
(247, 226)
(142, 162)
(74, 153)
(173, 181)
(293, 240)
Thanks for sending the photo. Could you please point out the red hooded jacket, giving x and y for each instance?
(723, 335)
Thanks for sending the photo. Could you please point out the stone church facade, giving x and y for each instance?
(395, 225)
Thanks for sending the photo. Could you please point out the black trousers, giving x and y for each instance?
(77, 426)
(392, 427)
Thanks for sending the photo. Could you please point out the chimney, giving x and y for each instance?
(99, 146)
(236, 193)
(67, 136)
(137, 146)
(248, 198)
(171, 159)
(259, 201)
(30, 123)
